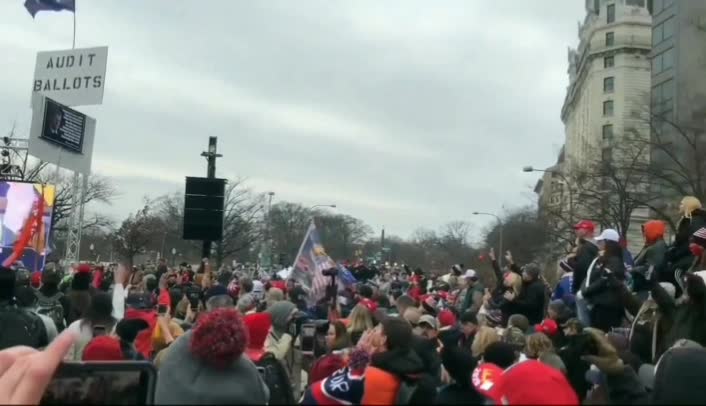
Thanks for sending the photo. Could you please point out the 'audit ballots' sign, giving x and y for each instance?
(74, 77)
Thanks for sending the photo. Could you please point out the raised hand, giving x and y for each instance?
(491, 254)
(508, 258)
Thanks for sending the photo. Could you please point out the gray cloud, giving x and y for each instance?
(402, 113)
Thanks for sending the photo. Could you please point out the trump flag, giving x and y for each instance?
(311, 261)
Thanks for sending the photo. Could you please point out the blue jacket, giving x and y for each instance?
(563, 290)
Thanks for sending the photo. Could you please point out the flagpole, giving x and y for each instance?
(73, 45)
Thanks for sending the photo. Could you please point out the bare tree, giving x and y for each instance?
(612, 188)
(100, 190)
(136, 234)
(524, 234)
(288, 224)
(241, 221)
(340, 233)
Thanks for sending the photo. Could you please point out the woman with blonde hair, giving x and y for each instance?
(693, 217)
(537, 345)
(484, 337)
(361, 320)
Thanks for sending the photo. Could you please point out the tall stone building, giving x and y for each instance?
(608, 93)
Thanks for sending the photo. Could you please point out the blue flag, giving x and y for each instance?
(345, 276)
(35, 6)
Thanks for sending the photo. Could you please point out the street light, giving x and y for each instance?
(530, 168)
(92, 248)
(174, 252)
(500, 239)
(330, 206)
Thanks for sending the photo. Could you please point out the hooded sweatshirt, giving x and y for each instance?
(652, 253)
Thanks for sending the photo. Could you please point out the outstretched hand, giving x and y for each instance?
(491, 254)
(25, 372)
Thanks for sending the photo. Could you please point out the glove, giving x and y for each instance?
(607, 359)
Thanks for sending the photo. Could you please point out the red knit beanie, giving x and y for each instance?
(219, 338)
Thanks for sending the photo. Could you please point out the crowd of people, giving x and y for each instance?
(614, 329)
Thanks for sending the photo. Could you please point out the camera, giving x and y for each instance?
(193, 293)
(330, 272)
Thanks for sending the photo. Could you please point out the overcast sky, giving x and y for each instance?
(403, 113)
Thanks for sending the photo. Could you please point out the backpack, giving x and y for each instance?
(51, 307)
(20, 327)
(276, 379)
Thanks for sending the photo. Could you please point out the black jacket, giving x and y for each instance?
(586, 252)
(576, 368)
(679, 254)
(530, 302)
(427, 353)
(605, 293)
(652, 255)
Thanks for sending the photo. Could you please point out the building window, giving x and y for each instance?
(657, 6)
(606, 154)
(608, 108)
(663, 31)
(608, 84)
(663, 61)
(609, 39)
(610, 13)
(608, 132)
(662, 97)
(608, 62)
(635, 3)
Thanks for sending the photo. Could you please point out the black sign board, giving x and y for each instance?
(63, 126)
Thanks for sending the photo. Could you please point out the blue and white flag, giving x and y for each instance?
(345, 276)
(35, 6)
(309, 264)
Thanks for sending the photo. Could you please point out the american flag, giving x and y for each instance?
(309, 264)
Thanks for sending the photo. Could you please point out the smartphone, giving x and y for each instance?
(162, 309)
(102, 383)
(308, 338)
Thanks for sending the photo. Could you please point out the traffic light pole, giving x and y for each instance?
(211, 156)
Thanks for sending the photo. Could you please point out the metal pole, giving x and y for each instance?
(73, 44)
(500, 244)
(211, 156)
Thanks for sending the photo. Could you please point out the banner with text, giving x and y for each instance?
(74, 77)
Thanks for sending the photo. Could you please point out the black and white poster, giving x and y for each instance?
(63, 126)
(61, 135)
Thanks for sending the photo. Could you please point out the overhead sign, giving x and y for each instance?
(61, 136)
(74, 77)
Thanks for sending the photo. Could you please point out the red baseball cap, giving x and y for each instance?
(446, 318)
(527, 383)
(368, 304)
(585, 225)
(485, 377)
(548, 327)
